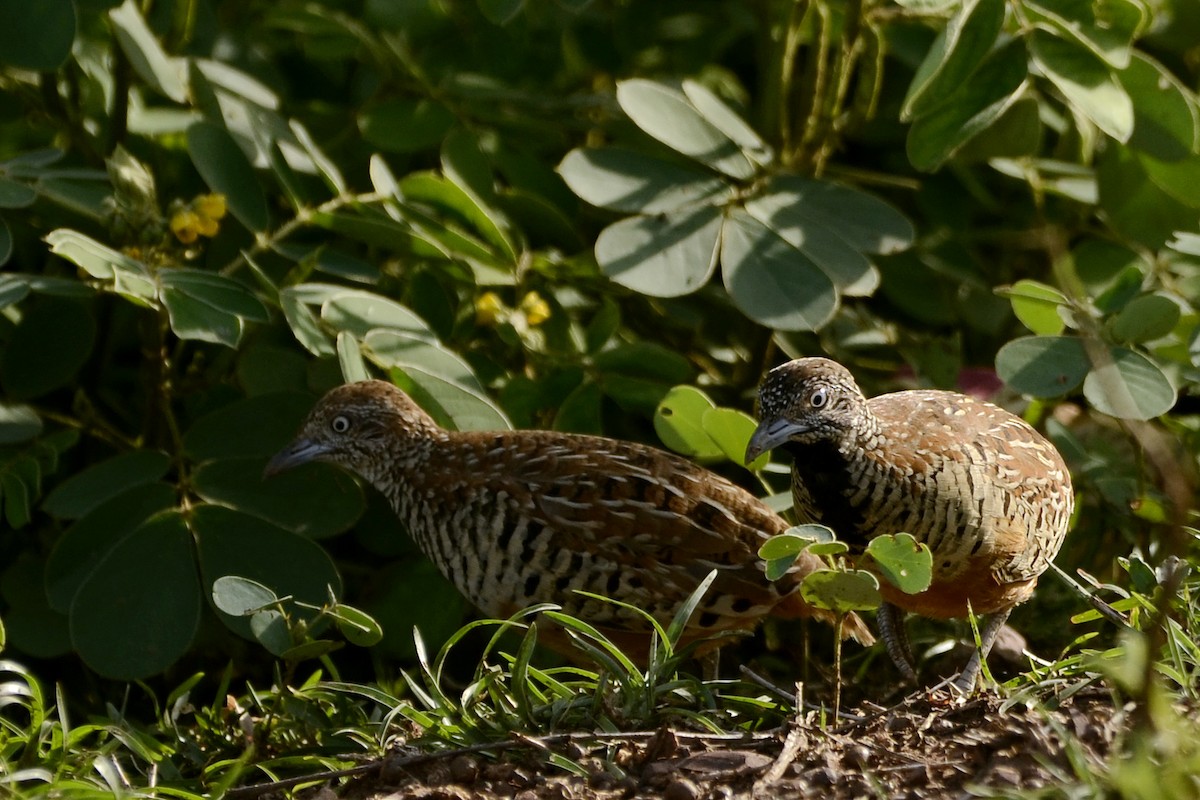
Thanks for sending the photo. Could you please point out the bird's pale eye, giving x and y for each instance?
(340, 424)
(818, 398)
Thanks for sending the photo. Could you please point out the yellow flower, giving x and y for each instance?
(535, 308)
(185, 225)
(207, 226)
(488, 309)
(211, 206)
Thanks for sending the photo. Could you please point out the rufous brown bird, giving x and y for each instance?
(514, 518)
(985, 491)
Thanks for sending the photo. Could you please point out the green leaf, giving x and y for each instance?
(679, 423)
(1105, 28)
(89, 540)
(1036, 305)
(227, 171)
(232, 543)
(731, 430)
(96, 259)
(6, 251)
(36, 36)
(18, 423)
(196, 319)
(1134, 205)
(1086, 81)
(1166, 124)
(1130, 386)
(15, 195)
(257, 426)
(451, 403)
(358, 313)
(903, 561)
(667, 255)
(139, 609)
(451, 201)
(269, 628)
(1043, 366)
(152, 64)
(789, 543)
(841, 592)
(84, 491)
(16, 494)
(405, 125)
(728, 122)
(303, 323)
(315, 501)
(47, 348)
(350, 359)
(665, 113)
(980, 102)
(627, 180)
(955, 54)
(645, 360)
(359, 627)
(241, 597)
(1145, 318)
(770, 281)
(580, 411)
(216, 291)
(397, 348)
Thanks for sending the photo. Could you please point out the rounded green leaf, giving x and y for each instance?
(1043, 366)
(257, 426)
(451, 201)
(86, 543)
(841, 592)
(731, 430)
(359, 627)
(903, 561)
(1145, 318)
(241, 597)
(1086, 81)
(85, 490)
(15, 195)
(679, 422)
(36, 36)
(48, 346)
(315, 501)
(406, 126)
(834, 548)
(770, 281)
(645, 360)
(140, 608)
(1134, 205)
(580, 411)
(956, 53)
(395, 348)
(1036, 305)
(665, 113)
(666, 255)
(626, 180)
(1130, 386)
(227, 171)
(783, 546)
(10, 285)
(232, 543)
(269, 628)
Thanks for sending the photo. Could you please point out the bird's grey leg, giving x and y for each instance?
(965, 682)
(895, 639)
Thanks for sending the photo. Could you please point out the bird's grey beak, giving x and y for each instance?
(298, 452)
(769, 434)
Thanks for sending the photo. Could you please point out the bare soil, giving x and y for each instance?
(929, 745)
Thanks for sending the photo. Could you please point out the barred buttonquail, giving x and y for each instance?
(514, 518)
(989, 495)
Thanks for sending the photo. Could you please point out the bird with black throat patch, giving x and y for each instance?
(989, 495)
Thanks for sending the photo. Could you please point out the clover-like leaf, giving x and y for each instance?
(842, 592)
(903, 561)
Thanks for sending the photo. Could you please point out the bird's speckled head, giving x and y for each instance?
(364, 427)
(805, 401)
